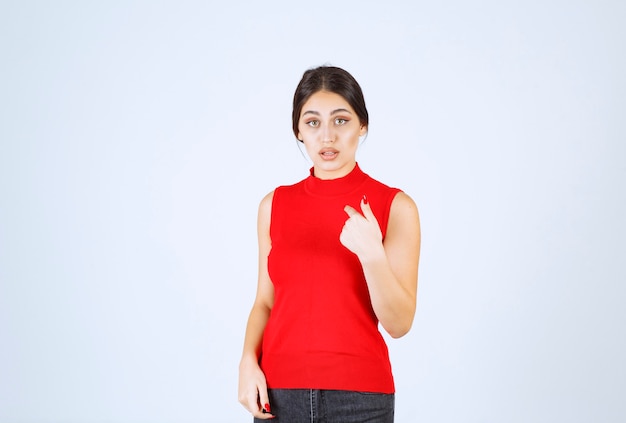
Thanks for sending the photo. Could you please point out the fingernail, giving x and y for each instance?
(364, 199)
(267, 408)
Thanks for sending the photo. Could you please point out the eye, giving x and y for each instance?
(313, 123)
(341, 121)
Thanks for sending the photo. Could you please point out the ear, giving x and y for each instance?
(299, 137)
(363, 130)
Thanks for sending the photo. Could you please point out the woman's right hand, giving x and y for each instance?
(253, 390)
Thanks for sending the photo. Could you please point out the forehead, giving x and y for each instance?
(325, 102)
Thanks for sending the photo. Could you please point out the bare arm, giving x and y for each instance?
(252, 386)
(390, 266)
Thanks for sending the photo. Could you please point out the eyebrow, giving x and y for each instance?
(334, 112)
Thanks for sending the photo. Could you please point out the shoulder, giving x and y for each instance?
(284, 194)
(403, 211)
(402, 201)
(265, 207)
(280, 191)
(399, 197)
(385, 191)
(264, 217)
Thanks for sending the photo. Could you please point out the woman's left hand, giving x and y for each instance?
(361, 233)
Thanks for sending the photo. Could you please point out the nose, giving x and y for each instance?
(328, 134)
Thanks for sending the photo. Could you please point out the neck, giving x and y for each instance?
(341, 185)
(335, 173)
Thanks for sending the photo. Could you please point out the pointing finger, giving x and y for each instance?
(351, 211)
(367, 209)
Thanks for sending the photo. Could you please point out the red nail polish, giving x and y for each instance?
(267, 408)
(364, 199)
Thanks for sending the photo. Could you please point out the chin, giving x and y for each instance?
(333, 165)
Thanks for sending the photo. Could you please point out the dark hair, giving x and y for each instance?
(331, 79)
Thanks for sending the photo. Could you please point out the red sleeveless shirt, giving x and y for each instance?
(322, 332)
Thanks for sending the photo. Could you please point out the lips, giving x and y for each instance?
(328, 153)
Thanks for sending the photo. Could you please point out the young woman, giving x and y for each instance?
(338, 254)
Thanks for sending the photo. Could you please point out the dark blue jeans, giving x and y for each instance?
(324, 406)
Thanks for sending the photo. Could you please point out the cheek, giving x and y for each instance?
(354, 138)
(312, 150)
(309, 135)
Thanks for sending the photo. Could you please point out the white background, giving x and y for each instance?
(137, 139)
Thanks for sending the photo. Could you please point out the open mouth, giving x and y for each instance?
(328, 154)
